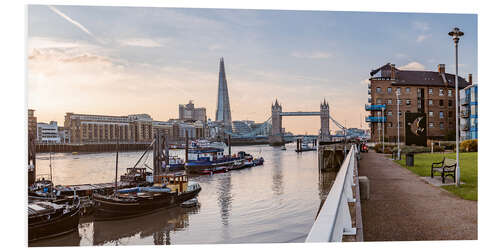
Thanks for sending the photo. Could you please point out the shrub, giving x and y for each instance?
(438, 148)
(415, 149)
(468, 146)
(387, 148)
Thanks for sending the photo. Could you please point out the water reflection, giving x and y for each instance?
(277, 171)
(276, 202)
(158, 225)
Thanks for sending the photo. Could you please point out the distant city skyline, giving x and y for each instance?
(126, 60)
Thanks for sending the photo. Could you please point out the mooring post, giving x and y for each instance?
(187, 146)
(229, 144)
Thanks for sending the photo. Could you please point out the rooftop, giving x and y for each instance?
(416, 77)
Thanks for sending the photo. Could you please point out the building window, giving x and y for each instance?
(389, 113)
(389, 90)
(399, 101)
(430, 91)
(400, 113)
(431, 113)
(441, 125)
(441, 103)
(390, 125)
(441, 114)
(450, 103)
(389, 101)
(379, 90)
(379, 101)
(430, 101)
(398, 89)
(450, 92)
(408, 101)
(431, 125)
(407, 90)
(441, 92)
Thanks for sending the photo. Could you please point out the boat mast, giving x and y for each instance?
(50, 162)
(116, 168)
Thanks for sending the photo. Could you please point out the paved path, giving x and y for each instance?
(403, 207)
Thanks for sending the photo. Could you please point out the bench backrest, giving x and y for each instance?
(449, 162)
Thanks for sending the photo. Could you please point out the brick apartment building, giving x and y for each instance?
(429, 92)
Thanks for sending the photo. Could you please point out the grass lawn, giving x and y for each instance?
(468, 171)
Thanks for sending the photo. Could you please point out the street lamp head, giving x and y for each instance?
(456, 34)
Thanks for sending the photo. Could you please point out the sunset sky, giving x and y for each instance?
(126, 60)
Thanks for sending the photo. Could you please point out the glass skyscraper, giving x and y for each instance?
(223, 113)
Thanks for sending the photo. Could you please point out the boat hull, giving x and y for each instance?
(200, 167)
(63, 224)
(108, 208)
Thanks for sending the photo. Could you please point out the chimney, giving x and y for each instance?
(441, 68)
(470, 78)
(393, 71)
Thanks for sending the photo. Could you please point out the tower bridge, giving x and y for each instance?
(277, 136)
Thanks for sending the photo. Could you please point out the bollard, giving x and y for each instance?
(364, 187)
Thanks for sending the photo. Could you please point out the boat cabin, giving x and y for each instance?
(205, 154)
(176, 182)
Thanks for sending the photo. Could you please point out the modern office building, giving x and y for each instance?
(187, 112)
(429, 92)
(468, 113)
(48, 133)
(223, 113)
(32, 124)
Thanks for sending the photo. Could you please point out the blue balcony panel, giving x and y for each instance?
(377, 107)
(376, 119)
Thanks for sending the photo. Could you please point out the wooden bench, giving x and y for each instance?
(446, 167)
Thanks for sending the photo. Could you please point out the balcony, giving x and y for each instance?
(369, 91)
(375, 119)
(464, 127)
(378, 107)
(369, 100)
(464, 113)
(465, 101)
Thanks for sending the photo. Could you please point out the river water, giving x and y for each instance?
(273, 203)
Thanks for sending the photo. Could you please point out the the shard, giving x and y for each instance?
(223, 113)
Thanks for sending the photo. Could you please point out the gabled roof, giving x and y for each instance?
(422, 77)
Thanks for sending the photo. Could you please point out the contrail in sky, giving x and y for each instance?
(77, 24)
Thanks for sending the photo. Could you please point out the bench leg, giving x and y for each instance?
(432, 172)
(442, 177)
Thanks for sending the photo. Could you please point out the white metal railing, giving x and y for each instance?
(334, 218)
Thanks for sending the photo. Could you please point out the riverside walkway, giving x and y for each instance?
(402, 207)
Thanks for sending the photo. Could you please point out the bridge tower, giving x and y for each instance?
(276, 137)
(325, 121)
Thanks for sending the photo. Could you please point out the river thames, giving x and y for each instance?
(273, 203)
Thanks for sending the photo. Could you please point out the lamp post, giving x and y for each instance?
(397, 105)
(383, 134)
(456, 34)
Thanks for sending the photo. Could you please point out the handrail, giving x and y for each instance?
(334, 219)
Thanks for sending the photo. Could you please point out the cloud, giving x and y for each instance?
(365, 81)
(140, 42)
(412, 66)
(422, 37)
(311, 55)
(422, 26)
(401, 55)
(37, 42)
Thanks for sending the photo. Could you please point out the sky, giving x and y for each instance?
(128, 60)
